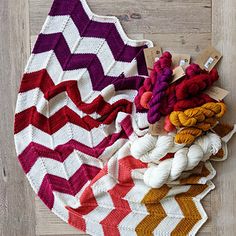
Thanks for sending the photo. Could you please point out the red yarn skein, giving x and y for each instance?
(196, 85)
(197, 101)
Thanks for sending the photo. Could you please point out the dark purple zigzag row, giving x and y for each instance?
(70, 61)
(90, 28)
(72, 186)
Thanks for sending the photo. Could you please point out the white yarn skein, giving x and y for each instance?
(152, 149)
(164, 145)
(179, 163)
(194, 156)
(184, 159)
(156, 176)
(143, 145)
(210, 144)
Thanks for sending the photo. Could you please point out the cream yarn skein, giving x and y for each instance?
(184, 159)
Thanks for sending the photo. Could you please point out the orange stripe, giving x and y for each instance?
(189, 209)
(155, 209)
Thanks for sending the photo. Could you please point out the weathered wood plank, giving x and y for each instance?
(224, 38)
(189, 43)
(17, 211)
(48, 223)
(138, 16)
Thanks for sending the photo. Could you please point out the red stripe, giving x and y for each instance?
(72, 186)
(52, 124)
(122, 208)
(42, 80)
(89, 203)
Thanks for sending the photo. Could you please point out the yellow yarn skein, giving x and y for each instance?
(188, 135)
(191, 117)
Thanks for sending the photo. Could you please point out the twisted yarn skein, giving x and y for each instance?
(191, 117)
(195, 85)
(152, 149)
(147, 86)
(171, 102)
(184, 159)
(164, 76)
(196, 101)
(189, 134)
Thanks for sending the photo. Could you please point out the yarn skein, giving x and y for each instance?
(164, 76)
(189, 134)
(184, 159)
(191, 117)
(152, 148)
(162, 63)
(171, 103)
(195, 85)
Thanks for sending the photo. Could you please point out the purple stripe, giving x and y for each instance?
(62, 7)
(89, 28)
(70, 61)
(134, 82)
(54, 183)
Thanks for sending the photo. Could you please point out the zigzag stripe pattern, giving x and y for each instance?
(75, 120)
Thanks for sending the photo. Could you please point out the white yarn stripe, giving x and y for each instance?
(67, 199)
(59, 209)
(174, 216)
(115, 20)
(177, 190)
(111, 150)
(54, 24)
(138, 192)
(64, 170)
(61, 200)
(64, 24)
(92, 226)
(131, 220)
(24, 138)
(26, 100)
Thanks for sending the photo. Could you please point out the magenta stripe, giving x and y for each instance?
(34, 151)
(54, 183)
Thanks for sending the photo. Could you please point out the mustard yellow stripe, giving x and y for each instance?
(155, 210)
(189, 209)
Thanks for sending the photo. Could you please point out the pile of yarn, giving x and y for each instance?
(184, 104)
(189, 115)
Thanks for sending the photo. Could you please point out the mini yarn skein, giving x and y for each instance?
(164, 75)
(195, 85)
(191, 117)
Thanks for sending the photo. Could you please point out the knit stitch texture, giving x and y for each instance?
(74, 124)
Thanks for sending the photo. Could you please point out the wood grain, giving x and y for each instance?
(182, 26)
(17, 211)
(224, 38)
(142, 16)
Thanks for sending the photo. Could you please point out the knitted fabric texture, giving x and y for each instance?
(74, 124)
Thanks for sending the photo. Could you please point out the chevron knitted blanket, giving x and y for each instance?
(74, 124)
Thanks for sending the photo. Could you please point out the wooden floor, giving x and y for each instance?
(178, 25)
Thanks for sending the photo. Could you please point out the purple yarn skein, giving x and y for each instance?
(159, 89)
